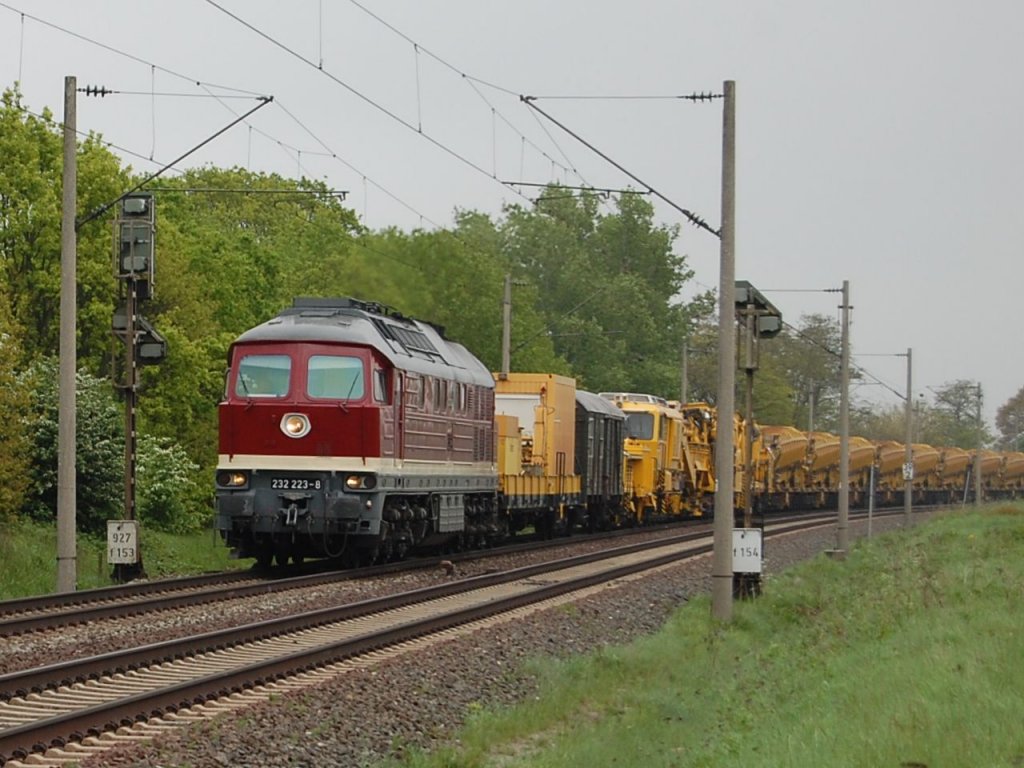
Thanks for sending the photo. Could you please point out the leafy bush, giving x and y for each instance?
(168, 495)
(99, 462)
(14, 399)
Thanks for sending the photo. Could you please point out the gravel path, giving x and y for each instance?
(418, 699)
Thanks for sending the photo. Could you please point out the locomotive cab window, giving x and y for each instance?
(640, 426)
(335, 377)
(263, 376)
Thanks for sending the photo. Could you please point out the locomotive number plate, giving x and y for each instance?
(294, 484)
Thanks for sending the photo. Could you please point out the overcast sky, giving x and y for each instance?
(879, 141)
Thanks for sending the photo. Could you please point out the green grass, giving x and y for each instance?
(28, 558)
(909, 653)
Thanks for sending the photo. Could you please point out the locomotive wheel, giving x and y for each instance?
(264, 556)
(263, 561)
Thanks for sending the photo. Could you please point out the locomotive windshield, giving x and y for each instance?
(640, 426)
(335, 377)
(263, 376)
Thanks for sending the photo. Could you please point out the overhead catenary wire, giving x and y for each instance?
(93, 136)
(860, 369)
(104, 208)
(206, 86)
(692, 217)
(359, 242)
(21, 46)
(119, 52)
(235, 93)
(97, 90)
(357, 93)
(472, 82)
(238, 93)
(526, 141)
(634, 97)
(366, 179)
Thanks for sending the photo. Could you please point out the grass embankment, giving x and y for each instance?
(28, 558)
(909, 653)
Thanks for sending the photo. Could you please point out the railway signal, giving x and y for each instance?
(761, 320)
(135, 270)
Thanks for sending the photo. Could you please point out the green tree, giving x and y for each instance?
(1010, 421)
(15, 468)
(31, 166)
(955, 415)
(808, 356)
(880, 422)
(167, 488)
(607, 285)
(240, 255)
(773, 391)
(99, 445)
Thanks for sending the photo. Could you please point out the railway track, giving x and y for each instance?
(53, 611)
(48, 707)
(64, 609)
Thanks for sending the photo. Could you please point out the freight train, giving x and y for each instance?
(350, 431)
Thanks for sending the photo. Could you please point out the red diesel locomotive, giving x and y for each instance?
(350, 431)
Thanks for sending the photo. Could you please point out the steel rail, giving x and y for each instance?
(55, 731)
(22, 682)
(34, 614)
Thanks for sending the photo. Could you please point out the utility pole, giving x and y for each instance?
(977, 450)
(908, 458)
(684, 394)
(842, 528)
(810, 412)
(506, 329)
(67, 560)
(721, 566)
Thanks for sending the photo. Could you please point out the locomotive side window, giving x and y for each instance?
(263, 376)
(640, 426)
(380, 378)
(335, 376)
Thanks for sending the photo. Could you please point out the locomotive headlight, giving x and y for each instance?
(360, 482)
(227, 479)
(295, 424)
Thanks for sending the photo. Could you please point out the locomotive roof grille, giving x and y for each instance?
(407, 343)
(411, 339)
(307, 303)
(306, 306)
